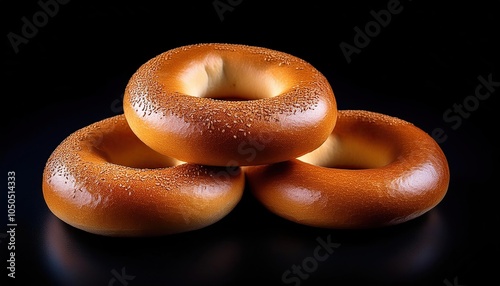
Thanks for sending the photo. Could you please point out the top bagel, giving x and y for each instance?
(229, 104)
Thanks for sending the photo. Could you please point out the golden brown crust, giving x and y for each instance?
(175, 104)
(396, 172)
(104, 180)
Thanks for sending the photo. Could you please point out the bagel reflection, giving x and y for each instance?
(399, 254)
(65, 259)
(408, 252)
(74, 257)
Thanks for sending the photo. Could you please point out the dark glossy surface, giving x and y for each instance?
(431, 65)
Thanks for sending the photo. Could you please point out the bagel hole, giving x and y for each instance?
(142, 158)
(349, 153)
(227, 98)
(130, 152)
(229, 80)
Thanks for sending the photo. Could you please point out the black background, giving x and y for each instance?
(72, 72)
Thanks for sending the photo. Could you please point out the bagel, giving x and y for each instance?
(229, 104)
(102, 179)
(374, 170)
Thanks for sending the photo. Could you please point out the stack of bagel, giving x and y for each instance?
(202, 121)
